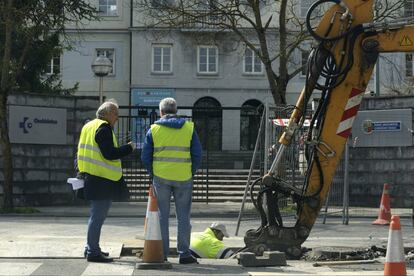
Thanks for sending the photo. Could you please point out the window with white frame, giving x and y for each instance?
(304, 6)
(207, 59)
(108, 8)
(409, 65)
(110, 54)
(252, 63)
(53, 67)
(409, 8)
(304, 54)
(161, 58)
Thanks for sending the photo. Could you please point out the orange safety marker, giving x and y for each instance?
(153, 256)
(384, 214)
(395, 259)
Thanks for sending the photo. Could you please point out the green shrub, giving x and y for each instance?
(19, 210)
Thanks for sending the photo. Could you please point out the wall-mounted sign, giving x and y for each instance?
(149, 97)
(369, 126)
(37, 125)
(383, 128)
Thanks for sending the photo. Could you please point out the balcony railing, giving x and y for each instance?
(204, 19)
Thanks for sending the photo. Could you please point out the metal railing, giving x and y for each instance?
(212, 178)
(293, 166)
(203, 19)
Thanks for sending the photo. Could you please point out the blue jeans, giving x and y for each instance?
(99, 211)
(182, 193)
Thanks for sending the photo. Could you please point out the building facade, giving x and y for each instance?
(200, 67)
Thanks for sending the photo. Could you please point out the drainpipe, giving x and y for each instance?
(131, 22)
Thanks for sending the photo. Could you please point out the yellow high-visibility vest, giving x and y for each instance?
(90, 158)
(171, 156)
(206, 245)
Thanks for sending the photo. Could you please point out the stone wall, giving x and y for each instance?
(371, 167)
(40, 171)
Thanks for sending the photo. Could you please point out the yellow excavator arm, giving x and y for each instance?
(340, 66)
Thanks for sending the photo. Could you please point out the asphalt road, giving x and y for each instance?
(69, 231)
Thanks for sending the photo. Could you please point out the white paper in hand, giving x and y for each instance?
(76, 183)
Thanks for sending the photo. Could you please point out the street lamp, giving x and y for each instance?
(101, 68)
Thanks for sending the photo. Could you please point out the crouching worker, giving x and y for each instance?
(209, 244)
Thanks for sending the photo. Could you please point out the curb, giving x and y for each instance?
(71, 215)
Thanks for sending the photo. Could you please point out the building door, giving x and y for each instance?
(207, 117)
(250, 114)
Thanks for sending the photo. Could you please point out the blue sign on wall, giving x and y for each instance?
(146, 97)
(150, 96)
(387, 126)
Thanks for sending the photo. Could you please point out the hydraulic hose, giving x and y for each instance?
(357, 28)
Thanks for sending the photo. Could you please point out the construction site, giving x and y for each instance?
(319, 185)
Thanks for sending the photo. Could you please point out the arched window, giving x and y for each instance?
(250, 114)
(207, 117)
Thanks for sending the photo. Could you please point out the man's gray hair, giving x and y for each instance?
(106, 108)
(168, 106)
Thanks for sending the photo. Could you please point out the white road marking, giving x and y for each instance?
(103, 269)
(21, 269)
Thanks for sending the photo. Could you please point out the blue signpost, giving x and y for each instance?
(146, 97)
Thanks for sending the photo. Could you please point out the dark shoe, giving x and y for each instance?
(188, 260)
(106, 254)
(99, 259)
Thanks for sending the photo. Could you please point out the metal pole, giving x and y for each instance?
(252, 164)
(100, 90)
(208, 163)
(412, 216)
(377, 78)
(278, 158)
(266, 140)
(345, 205)
(325, 215)
(377, 7)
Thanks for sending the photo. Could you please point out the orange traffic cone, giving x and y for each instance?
(384, 214)
(153, 256)
(395, 261)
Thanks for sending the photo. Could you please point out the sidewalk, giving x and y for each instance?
(139, 209)
(199, 209)
(59, 233)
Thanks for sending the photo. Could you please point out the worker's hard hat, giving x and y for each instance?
(221, 227)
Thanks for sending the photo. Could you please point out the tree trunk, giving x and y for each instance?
(4, 91)
(261, 34)
(274, 87)
(283, 59)
(7, 156)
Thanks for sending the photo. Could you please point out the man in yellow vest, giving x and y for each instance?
(172, 154)
(209, 244)
(99, 164)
